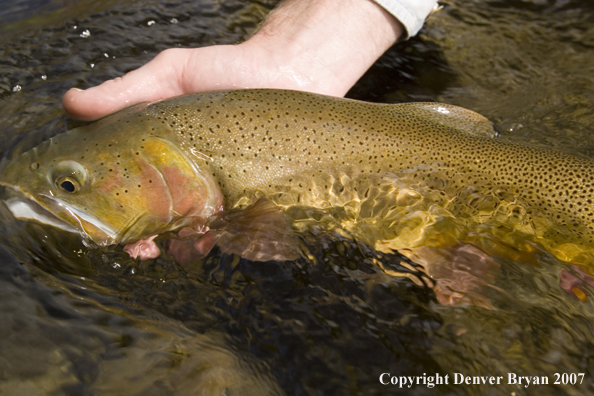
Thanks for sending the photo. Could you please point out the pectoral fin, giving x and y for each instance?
(576, 282)
(462, 273)
(260, 232)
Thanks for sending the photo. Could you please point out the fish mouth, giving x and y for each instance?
(43, 211)
(26, 209)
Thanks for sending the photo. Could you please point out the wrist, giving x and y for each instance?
(322, 46)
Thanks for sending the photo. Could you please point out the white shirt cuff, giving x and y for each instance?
(411, 13)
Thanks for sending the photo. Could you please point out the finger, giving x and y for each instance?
(158, 79)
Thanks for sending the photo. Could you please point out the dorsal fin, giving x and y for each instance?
(455, 117)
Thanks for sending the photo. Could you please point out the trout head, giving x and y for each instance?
(118, 180)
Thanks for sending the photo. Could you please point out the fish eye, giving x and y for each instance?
(68, 184)
(68, 176)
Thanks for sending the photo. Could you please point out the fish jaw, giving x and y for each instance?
(26, 209)
(52, 211)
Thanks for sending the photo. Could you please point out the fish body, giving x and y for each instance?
(179, 163)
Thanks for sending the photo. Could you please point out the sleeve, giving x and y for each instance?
(411, 13)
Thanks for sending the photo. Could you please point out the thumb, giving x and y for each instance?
(156, 80)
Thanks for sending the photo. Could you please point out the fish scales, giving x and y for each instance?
(294, 148)
(260, 137)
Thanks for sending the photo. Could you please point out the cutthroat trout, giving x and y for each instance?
(385, 172)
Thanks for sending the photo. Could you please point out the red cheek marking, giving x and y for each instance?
(155, 191)
(111, 182)
(187, 191)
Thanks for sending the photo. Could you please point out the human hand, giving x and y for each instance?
(308, 45)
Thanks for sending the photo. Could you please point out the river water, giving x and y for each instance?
(79, 321)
